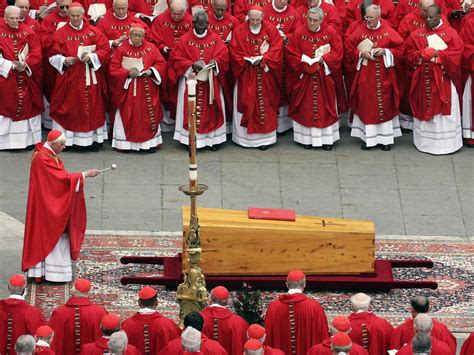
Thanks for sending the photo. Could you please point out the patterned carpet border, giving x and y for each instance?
(451, 303)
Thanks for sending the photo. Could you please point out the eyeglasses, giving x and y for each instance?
(64, 7)
(369, 18)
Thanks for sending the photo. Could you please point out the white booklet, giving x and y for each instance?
(130, 63)
(96, 10)
(81, 50)
(365, 46)
(436, 42)
(60, 25)
(23, 53)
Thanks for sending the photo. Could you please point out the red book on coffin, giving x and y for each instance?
(272, 214)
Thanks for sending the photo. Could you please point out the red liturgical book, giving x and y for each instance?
(272, 214)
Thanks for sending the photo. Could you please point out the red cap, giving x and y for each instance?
(256, 7)
(220, 292)
(341, 323)
(256, 331)
(253, 344)
(110, 322)
(44, 331)
(341, 339)
(17, 280)
(54, 135)
(76, 4)
(296, 275)
(82, 285)
(146, 293)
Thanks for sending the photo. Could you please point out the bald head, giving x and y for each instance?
(12, 10)
(120, 8)
(219, 7)
(178, 5)
(424, 5)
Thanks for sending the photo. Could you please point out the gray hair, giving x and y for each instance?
(200, 13)
(299, 284)
(118, 342)
(377, 9)
(25, 345)
(191, 339)
(116, 1)
(421, 344)
(361, 301)
(178, 4)
(10, 9)
(317, 11)
(423, 323)
(254, 352)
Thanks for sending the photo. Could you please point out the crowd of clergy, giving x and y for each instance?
(295, 324)
(119, 70)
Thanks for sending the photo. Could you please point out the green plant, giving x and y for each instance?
(248, 304)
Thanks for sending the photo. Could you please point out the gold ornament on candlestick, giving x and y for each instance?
(192, 293)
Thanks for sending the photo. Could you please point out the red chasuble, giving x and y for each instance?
(76, 323)
(404, 333)
(99, 347)
(242, 7)
(468, 346)
(430, 90)
(113, 27)
(267, 350)
(208, 347)
(31, 23)
(319, 108)
(21, 91)
(406, 7)
(44, 350)
(374, 95)
(53, 207)
(81, 109)
(438, 347)
(377, 333)
(258, 90)
(325, 349)
(227, 328)
(331, 16)
(46, 32)
(388, 11)
(140, 105)
(150, 331)
(17, 317)
(189, 50)
(87, 3)
(467, 36)
(295, 316)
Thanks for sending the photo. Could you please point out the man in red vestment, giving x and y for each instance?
(17, 317)
(256, 61)
(44, 337)
(242, 8)
(407, 7)
(339, 325)
(77, 322)
(314, 56)
(118, 344)
(20, 83)
(373, 52)
(221, 324)
(79, 54)
(387, 11)
(109, 324)
(257, 332)
(55, 213)
(24, 7)
(467, 36)
(368, 330)
(208, 346)
(135, 93)
(294, 322)
(405, 331)
(147, 329)
(423, 324)
(331, 15)
(203, 52)
(468, 346)
(435, 53)
(166, 30)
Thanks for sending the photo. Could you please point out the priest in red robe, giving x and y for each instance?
(203, 52)
(256, 61)
(79, 54)
(467, 36)
(405, 331)
(25, 18)
(422, 324)
(137, 71)
(147, 329)
(286, 19)
(373, 52)
(339, 325)
(109, 324)
(17, 317)
(222, 325)
(20, 83)
(406, 7)
(55, 213)
(387, 11)
(436, 54)
(257, 332)
(44, 337)
(367, 329)
(331, 15)
(314, 56)
(208, 346)
(166, 30)
(294, 322)
(242, 8)
(77, 322)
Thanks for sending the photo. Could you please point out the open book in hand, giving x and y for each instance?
(321, 51)
(204, 73)
(253, 60)
(436, 42)
(23, 53)
(365, 46)
(130, 63)
(96, 10)
(82, 50)
(160, 7)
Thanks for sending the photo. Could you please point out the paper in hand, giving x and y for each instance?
(96, 10)
(264, 47)
(130, 63)
(436, 42)
(23, 53)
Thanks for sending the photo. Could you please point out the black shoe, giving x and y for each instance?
(263, 147)
(327, 147)
(214, 148)
(151, 150)
(94, 148)
(363, 146)
(30, 148)
(385, 148)
(307, 146)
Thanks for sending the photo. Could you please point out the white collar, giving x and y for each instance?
(218, 18)
(146, 310)
(17, 297)
(440, 23)
(42, 343)
(120, 18)
(256, 31)
(204, 34)
(317, 30)
(47, 146)
(376, 27)
(278, 10)
(292, 291)
(78, 28)
(216, 305)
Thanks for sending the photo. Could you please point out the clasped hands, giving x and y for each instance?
(135, 73)
(200, 64)
(371, 55)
